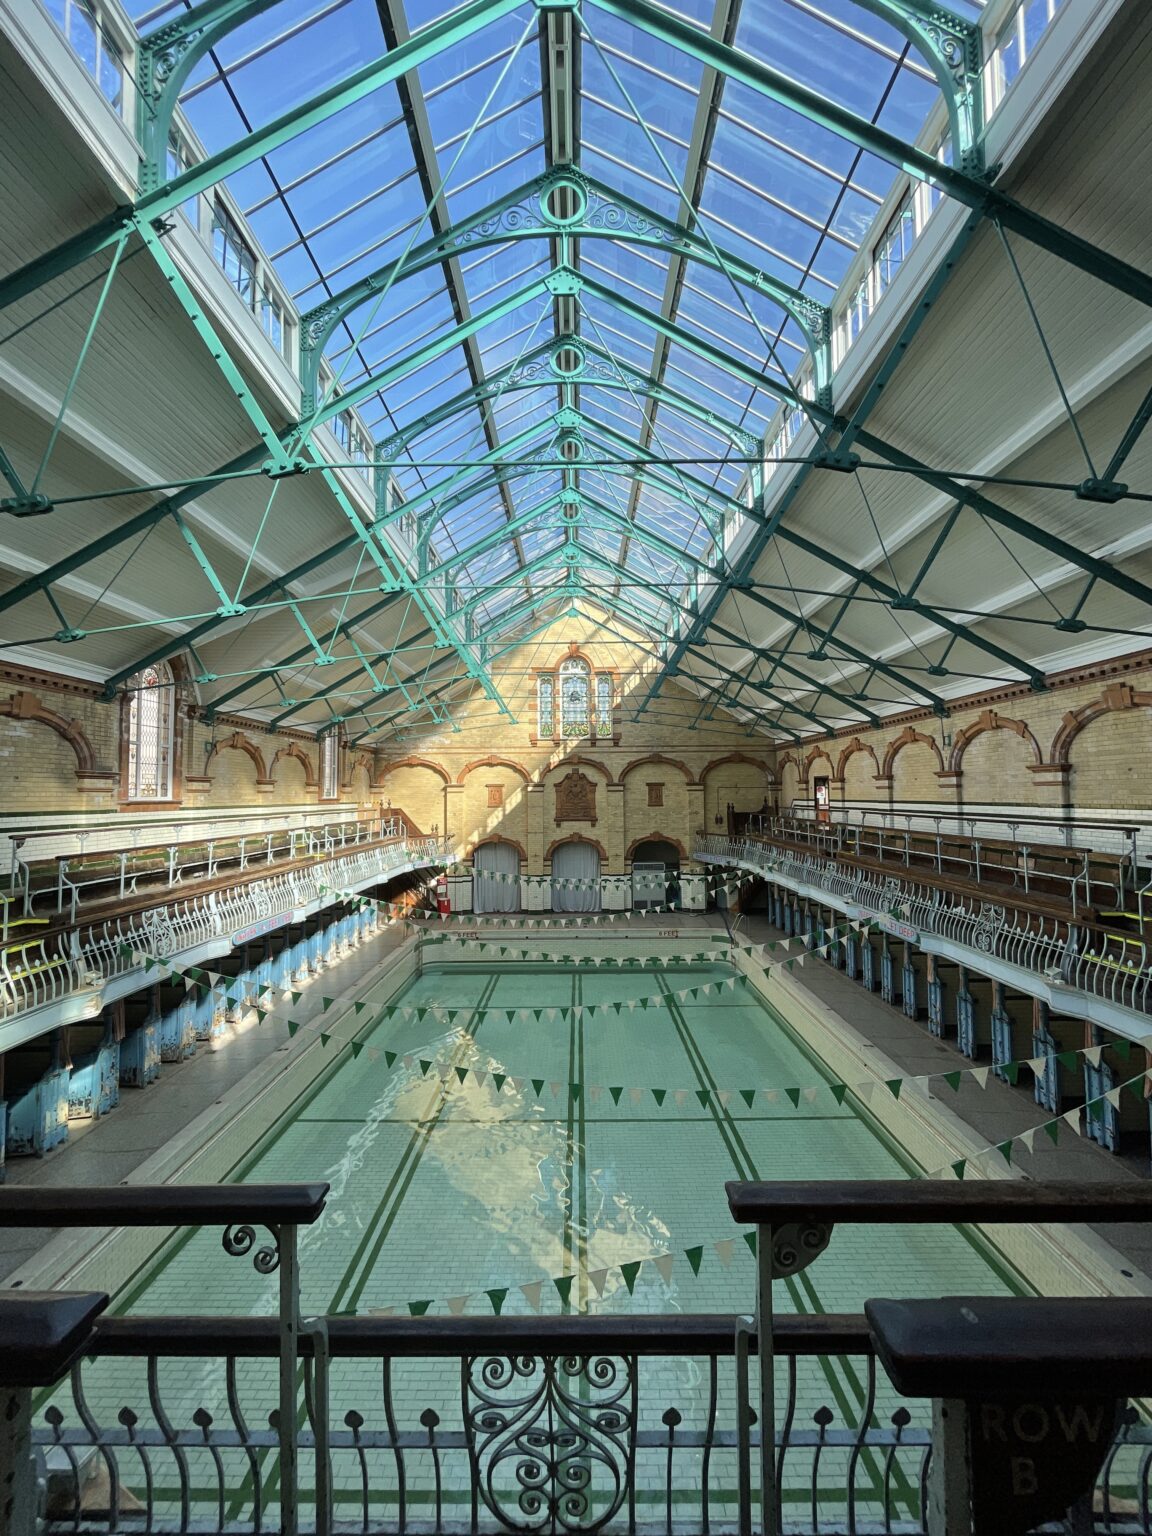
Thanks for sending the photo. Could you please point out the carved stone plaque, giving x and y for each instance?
(575, 798)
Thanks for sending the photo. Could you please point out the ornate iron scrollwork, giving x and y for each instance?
(796, 1245)
(239, 1240)
(158, 934)
(988, 925)
(551, 1439)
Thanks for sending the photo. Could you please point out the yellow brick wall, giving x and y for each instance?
(1084, 743)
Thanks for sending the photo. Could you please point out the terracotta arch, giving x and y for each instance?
(578, 760)
(238, 742)
(659, 757)
(905, 739)
(576, 838)
(1117, 696)
(411, 762)
(814, 757)
(798, 763)
(989, 720)
(294, 749)
(492, 761)
(854, 746)
(510, 841)
(743, 757)
(26, 706)
(656, 837)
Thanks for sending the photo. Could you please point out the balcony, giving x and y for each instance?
(649, 1424)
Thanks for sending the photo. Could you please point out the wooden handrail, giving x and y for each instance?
(911, 1202)
(163, 1205)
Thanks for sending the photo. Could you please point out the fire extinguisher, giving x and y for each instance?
(443, 905)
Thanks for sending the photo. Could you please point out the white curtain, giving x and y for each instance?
(490, 892)
(579, 862)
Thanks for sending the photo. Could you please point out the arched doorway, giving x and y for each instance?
(655, 865)
(495, 878)
(576, 878)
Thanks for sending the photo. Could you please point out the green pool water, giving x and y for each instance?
(444, 1191)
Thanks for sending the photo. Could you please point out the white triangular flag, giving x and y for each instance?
(723, 1095)
(772, 1095)
(597, 1278)
(1027, 1138)
(1113, 1097)
(724, 1250)
(810, 1094)
(1072, 1120)
(456, 1304)
(555, 1087)
(636, 1095)
(681, 1097)
(980, 1075)
(531, 1293)
(1039, 1065)
(663, 1263)
(1093, 1054)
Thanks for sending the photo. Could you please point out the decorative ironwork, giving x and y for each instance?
(988, 924)
(159, 936)
(239, 1240)
(796, 1245)
(551, 1439)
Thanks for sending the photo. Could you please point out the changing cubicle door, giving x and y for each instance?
(649, 884)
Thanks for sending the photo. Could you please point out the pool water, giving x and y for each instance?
(444, 1191)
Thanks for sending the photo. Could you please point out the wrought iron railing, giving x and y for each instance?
(576, 1423)
(1076, 956)
(35, 975)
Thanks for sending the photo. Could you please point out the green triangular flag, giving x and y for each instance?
(660, 1094)
(563, 1284)
(694, 1257)
(324, 1039)
(893, 1085)
(1067, 1059)
(461, 1072)
(1123, 1048)
(499, 1078)
(959, 1167)
(418, 1308)
(261, 1014)
(538, 1084)
(1052, 1131)
(794, 1095)
(357, 1047)
(702, 1095)
(295, 996)
(390, 1058)
(326, 1003)
(750, 1239)
(1011, 1071)
(839, 1091)
(359, 1007)
(497, 1297)
(749, 1096)
(953, 1081)
(630, 1271)
(575, 1090)
(292, 1027)
(615, 1092)
(1005, 1149)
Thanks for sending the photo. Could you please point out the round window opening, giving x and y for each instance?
(568, 360)
(564, 202)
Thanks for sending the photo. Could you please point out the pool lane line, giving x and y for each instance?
(746, 1168)
(384, 1217)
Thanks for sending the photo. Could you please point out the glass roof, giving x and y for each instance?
(610, 479)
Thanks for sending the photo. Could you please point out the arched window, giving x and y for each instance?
(603, 703)
(545, 695)
(151, 727)
(575, 701)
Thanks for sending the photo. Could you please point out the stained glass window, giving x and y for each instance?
(545, 719)
(151, 715)
(604, 704)
(575, 697)
(329, 766)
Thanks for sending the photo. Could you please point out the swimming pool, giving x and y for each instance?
(571, 1158)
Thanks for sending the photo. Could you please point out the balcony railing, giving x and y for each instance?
(92, 955)
(570, 1423)
(1072, 954)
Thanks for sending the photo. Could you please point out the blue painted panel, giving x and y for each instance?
(1001, 1042)
(868, 967)
(887, 977)
(37, 1117)
(788, 915)
(851, 958)
(966, 1023)
(1101, 1121)
(936, 996)
(140, 1055)
(178, 1030)
(910, 997)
